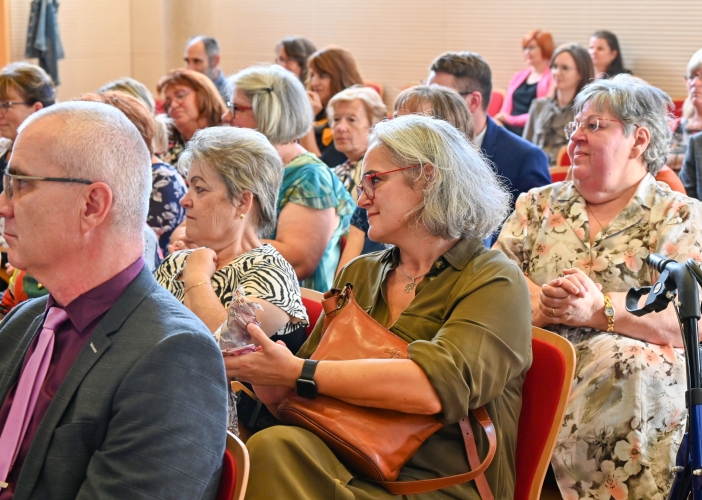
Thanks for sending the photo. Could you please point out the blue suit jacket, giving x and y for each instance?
(142, 412)
(520, 163)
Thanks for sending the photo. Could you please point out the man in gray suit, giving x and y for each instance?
(691, 173)
(133, 402)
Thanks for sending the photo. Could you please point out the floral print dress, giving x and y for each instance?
(626, 413)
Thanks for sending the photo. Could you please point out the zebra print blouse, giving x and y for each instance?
(263, 273)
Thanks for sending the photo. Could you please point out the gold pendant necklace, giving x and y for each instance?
(410, 286)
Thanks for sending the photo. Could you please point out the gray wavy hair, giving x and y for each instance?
(463, 197)
(634, 102)
(247, 161)
(279, 100)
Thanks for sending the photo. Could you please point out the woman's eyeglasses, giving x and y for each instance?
(368, 181)
(591, 124)
(234, 107)
(5, 105)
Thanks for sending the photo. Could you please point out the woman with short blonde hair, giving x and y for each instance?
(273, 101)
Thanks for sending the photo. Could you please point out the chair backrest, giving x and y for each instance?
(667, 175)
(227, 482)
(562, 158)
(678, 103)
(544, 396)
(558, 174)
(312, 300)
(241, 458)
(497, 99)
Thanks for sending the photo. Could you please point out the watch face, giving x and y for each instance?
(306, 388)
(609, 311)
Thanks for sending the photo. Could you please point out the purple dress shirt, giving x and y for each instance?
(85, 312)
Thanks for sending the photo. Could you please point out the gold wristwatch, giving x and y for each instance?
(609, 313)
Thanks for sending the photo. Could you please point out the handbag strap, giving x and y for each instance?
(478, 468)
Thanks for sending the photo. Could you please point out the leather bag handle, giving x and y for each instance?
(426, 485)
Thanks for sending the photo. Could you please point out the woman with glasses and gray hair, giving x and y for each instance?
(582, 245)
(313, 207)
(433, 197)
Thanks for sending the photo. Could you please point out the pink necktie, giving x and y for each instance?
(27, 392)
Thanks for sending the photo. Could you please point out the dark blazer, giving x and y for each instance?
(141, 416)
(519, 162)
(691, 173)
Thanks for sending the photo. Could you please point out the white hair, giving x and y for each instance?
(280, 103)
(99, 143)
(463, 197)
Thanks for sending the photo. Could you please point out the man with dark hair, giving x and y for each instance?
(519, 162)
(202, 55)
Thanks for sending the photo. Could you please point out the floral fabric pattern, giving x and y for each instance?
(625, 417)
(165, 212)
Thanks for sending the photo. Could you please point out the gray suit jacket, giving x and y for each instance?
(691, 173)
(143, 417)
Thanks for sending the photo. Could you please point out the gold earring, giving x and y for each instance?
(241, 216)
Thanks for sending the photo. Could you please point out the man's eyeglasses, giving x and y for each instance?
(5, 105)
(368, 181)
(10, 181)
(591, 124)
(234, 107)
(695, 76)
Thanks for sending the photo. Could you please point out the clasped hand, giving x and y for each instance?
(572, 300)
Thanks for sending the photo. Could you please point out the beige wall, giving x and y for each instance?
(393, 40)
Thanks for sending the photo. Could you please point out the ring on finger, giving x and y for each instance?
(553, 312)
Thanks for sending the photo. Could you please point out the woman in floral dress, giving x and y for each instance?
(583, 244)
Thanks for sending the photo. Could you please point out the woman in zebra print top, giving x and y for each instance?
(234, 176)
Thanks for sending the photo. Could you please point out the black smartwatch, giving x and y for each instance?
(306, 388)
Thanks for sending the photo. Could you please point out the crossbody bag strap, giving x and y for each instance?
(478, 469)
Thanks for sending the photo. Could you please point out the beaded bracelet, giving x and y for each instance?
(195, 285)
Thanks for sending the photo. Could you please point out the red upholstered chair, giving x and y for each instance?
(562, 158)
(678, 103)
(544, 396)
(667, 175)
(312, 300)
(558, 174)
(497, 98)
(235, 470)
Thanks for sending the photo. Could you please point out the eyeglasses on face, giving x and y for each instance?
(694, 76)
(368, 181)
(5, 105)
(177, 97)
(10, 182)
(590, 124)
(234, 108)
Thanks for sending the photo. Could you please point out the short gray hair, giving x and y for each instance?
(634, 102)
(280, 104)
(373, 104)
(134, 88)
(99, 143)
(211, 45)
(463, 196)
(246, 160)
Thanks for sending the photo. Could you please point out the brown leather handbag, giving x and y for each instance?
(373, 442)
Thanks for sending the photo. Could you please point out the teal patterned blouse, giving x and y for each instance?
(309, 182)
